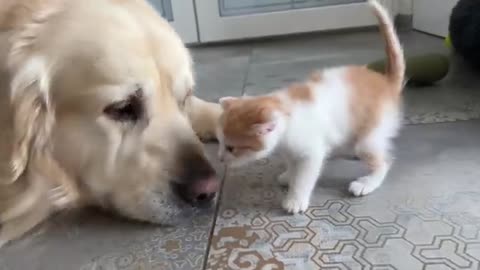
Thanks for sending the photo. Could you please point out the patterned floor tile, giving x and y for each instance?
(423, 215)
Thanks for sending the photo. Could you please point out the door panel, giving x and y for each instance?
(233, 19)
(235, 7)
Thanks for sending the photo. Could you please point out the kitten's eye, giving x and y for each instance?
(131, 109)
(229, 148)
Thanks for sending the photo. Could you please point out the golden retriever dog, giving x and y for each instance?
(97, 109)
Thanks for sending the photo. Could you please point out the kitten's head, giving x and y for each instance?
(250, 128)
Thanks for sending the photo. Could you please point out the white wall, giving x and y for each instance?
(405, 7)
(433, 20)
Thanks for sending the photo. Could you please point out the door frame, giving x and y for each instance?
(184, 20)
(212, 27)
(187, 25)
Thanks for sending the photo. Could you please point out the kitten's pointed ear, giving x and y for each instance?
(226, 102)
(264, 128)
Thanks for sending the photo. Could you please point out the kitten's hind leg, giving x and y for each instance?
(374, 150)
(304, 175)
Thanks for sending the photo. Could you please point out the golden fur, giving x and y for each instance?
(61, 63)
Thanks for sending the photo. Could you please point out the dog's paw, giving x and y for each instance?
(295, 204)
(283, 179)
(363, 186)
(206, 136)
(61, 197)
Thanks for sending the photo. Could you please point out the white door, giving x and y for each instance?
(238, 19)
(181, 15)
(433, 16)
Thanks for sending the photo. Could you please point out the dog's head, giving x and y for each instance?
(97, 93)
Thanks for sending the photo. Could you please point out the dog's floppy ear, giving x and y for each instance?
(33, 116)
(45, 185)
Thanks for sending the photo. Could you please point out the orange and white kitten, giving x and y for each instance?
(305, 122)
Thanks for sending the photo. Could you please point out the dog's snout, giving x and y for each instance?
(198, 182)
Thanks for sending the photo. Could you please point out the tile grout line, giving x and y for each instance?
(217, 207)
(214, 219)
(441, 122)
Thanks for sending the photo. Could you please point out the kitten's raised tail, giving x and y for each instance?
(396, 60)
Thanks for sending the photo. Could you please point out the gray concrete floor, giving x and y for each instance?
(425, 216)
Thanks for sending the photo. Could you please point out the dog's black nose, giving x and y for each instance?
(197, 183)
(199, 192)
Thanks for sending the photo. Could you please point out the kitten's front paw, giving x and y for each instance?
(295, 204)
(363, 186)
(283, 179)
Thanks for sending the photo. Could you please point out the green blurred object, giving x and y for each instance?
(421, 70)
(448, 42)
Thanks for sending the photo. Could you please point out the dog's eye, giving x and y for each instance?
(229, 148)
(128, 110)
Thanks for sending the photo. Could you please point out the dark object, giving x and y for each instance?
(420, 70)
(465, 30)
